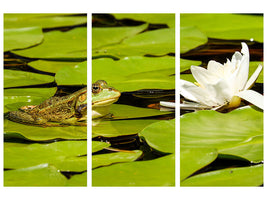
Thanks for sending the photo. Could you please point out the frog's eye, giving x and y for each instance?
(96, 88)
(101, 82)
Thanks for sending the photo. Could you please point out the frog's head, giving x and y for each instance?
(102, 98)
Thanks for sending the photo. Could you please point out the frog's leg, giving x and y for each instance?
(25, 118)
(74, 121)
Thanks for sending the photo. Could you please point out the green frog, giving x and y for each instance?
(102, 97)
(55, 111)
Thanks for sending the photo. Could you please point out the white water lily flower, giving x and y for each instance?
(222, 86)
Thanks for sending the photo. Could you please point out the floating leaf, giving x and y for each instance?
(160, 135)
(40, 175)
(36, 133)
(51, 66)
(136, 73)
(242, 176)
(70, 45)
(193, 159)
(186, 64)
(44, 20)
(226, 26)
(76, 75)
(158, 42)
(117, 128)
(78, 180)
(113, 35)
(234, 132)
(97, 146)
(141, 173)
(190, 38)
(14, 78)
(159, 18)
(22, 37)
(65, 155)
(121, 111)
(118, 157)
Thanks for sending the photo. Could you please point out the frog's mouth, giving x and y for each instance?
(105, 102)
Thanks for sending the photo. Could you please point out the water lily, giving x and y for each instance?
(222, 86)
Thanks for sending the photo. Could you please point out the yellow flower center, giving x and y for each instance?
(235, 102)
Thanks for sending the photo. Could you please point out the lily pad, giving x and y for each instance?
(57, 45)
(97, 146)
(40, 175)
(120, 111)
(226, 26)
(78, 180)
(44, 20)
(243, 176)
(193, 159)
(22, 37)
(113, 35)
(51, 66)
(111, 158)
(141, 173)
(136, 73)
(186, 64)
(234, 132)
(190, 38)
(16, 98)
(75, 75)
(108, 128)
(152, 18)
(160, 135)
(158, 42)
(65, 155)
(15, 78)
(35, 133)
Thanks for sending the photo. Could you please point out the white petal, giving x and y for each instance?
(243, 70)
(253, 97)
(202, 75)
(215, 68)
(193, 106)
(194, 93)
(253, 78)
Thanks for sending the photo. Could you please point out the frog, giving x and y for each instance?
(103, 96)
(56, 111)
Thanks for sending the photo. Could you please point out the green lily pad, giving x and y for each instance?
(107, 128)
(234, 132)
(70, 45)
(186, 64)
(136, 73)
(226, 26)
(243, 176)
(51, 66)
(44, 20)
(65, 155)
(40, 175)
(190, 38)
(97, 146)
(113, 35)
(14, 78)
(75, 75)
(22, 38)
(16, 98)
(35, 133)
(160, 135)
(193, 159)
(158, 42)
(78, 180)
(141, 173)
(121, 111)
(152, 18)
(111, 158)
